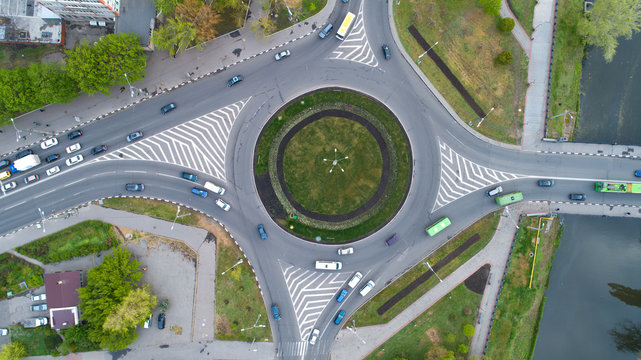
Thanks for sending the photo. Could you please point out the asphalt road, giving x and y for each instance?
(283, 262)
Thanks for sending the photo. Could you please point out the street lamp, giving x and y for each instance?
(428, 265)
(17, 131)
(42, 216)
(131, 87)
(254, 326)
(507, 211)
(353, 330)
(233, 266)
(425, 53)
(177, 217)
(480, 121)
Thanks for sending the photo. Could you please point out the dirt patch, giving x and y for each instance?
(293, 4)
(222, 236)
(222, 325)
(521, 265)
(433, 335)
(476, 282)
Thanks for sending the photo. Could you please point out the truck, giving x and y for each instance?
(617, 187)
(25, 163)
(35, 322)
(347, 22)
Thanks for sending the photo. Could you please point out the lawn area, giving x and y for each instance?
(307, 173)
(154, 208)
(436, 333)
(301, 10)
(42, 340)
(238, 299)
(82, 239)
(367, 315)
(14, 271)
(519, 309)
(565, 82)
(13, 56)
(468, 42)
(524, 12)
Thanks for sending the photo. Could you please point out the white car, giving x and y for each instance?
(223, 205)
(9, 186)
(314, 336)
(53, 170)
(73, 148)
(74, 160)
(346, 251)
(281, 55)
(4, 332)
(355, 280)
(148, 321)
(49, 143)
(367, 288)
(40, 297)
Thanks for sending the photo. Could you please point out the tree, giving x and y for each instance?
(16, 93)
(166, 7)
(105, 63)
(450, 338)
(504, 57)
(609, 20)
(201, 15)
(236, 9)
(462, 348)
(76, 338)
(468, 330)
(175, 36)
(491, 7)
(506, 24)
(51, 83)
(263, 27)
(164, 305)
(133, 310)
(13, 351)
(627, 336)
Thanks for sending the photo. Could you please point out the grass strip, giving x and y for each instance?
(154, 208)
(523, 10)
(42, 340)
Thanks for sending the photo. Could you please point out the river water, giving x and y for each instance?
(580, 310)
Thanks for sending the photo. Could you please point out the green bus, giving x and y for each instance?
(438, 226)
(508, 199)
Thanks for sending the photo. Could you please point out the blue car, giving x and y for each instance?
(261, 231)
(199, 192)
(637, 173)
(339, 317)
(236, 79)
(342, 295)
(275, 312)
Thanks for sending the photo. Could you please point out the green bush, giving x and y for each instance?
(504, 57)
(468, 330)
(491, 7)
(506, 24)
(462, 348)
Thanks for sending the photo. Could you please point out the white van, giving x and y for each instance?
(328, 265)
(367, 288)
(355, 280)
(215, 189)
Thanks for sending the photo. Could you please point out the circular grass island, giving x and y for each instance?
(332, 166)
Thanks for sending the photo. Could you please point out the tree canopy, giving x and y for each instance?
(201, 15)
(175, 36)
(13, 351)
(165, 6)
(491, 7)
(609, 20)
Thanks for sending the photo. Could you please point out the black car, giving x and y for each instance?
(98, 149)
(167, 108)
(386, 51)
(51, 158)
(577, 197)
(74, 134)
(24, 153)
(161, 321)
(4, 163)
(135, 187)
(546, 182)
(188, 176)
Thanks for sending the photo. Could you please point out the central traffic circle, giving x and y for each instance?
(332, 166)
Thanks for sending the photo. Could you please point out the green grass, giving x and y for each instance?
(307, 175)
(13, 56)
(306, 9)
(158, 209)
(14, 271)
(42, 340)
(519, 308)
(468, 42)
(524, 12)
(565, 82)
(367, 315)
(238, 299)
(435, 332)
(82, 239)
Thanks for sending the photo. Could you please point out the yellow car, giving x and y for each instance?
(5, 175)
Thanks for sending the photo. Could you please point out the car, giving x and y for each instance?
(134, 187)
(167, 108)
(48, 143)
(73, 148)
(161, 321)
(9, 186)
(148, 321)
(346, 251)
(355, 280)
(41, 297)
(261, 232)
(326, 30)
(24, 153)
(134, 136)
(386, 51)
(98, 149)
(281, 55)
(5, 175)
(314, 336)
(4, 332)
(74, 134)
(51, 158)
(223, 205)
(637, 173)
(31, 178)
(367, 288)
(578, 197)
(74, 160)
(38, 307)
(339, 317)
(53, 170)
(345, 1)
(497, 190)
(545, 182)
(4, 163)
(236, 79)
(342, 295)
(199, 192)
(189, 176)
(275, 312)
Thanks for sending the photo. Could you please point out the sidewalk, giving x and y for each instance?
(164, 73)
(519, 33)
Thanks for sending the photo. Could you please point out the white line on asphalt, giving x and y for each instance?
(43, 194)
(14, 205)
(167, 175)
(135, 171)
(75, 182)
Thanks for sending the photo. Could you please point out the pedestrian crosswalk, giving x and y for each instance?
(199, 144)
(303, 350)
(355, 47)
(460, 176)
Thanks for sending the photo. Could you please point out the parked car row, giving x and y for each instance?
(161, 321)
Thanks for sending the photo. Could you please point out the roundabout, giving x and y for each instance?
(333, 165)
